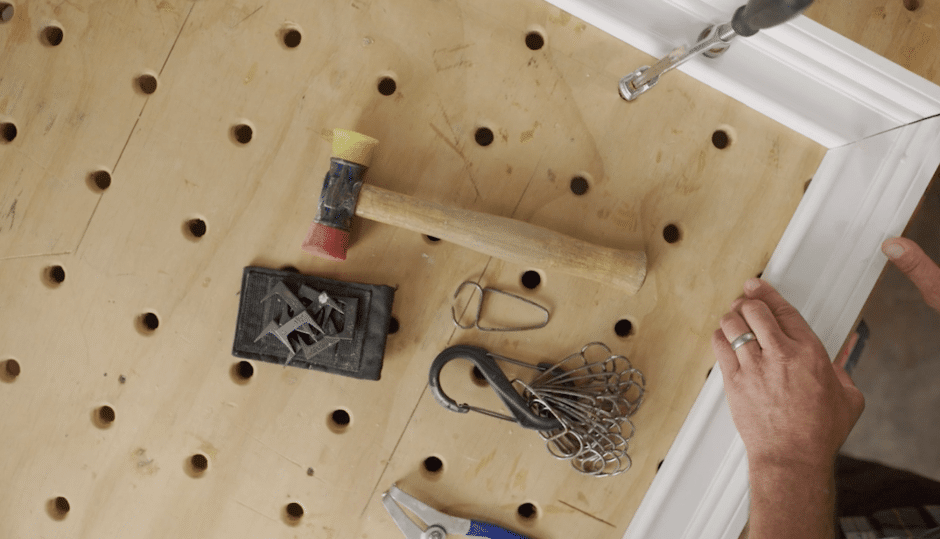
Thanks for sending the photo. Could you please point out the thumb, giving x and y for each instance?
(919, 268)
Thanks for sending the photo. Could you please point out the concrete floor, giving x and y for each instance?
(899, 370)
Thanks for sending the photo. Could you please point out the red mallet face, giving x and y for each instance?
(326, 242)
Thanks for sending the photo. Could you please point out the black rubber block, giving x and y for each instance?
(349, 340)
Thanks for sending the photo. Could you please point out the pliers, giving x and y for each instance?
(439, 524)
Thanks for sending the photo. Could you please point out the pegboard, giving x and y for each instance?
(153, 150)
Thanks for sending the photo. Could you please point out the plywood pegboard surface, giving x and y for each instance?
(80, 339)
(72, 107)
(903, 31)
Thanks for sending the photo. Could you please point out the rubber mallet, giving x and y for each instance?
(507, 239)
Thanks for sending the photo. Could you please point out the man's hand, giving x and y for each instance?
(793, 409)
(922, 271)
(791, 406)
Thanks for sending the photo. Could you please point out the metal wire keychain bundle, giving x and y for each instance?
(581, 406)
(593, 401)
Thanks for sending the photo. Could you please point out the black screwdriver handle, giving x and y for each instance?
(759, 14)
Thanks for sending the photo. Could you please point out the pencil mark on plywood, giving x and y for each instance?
(177, 39)
(11, 213)
(34, 255)
(451, 57)
(255, 510)
(249, 15)
(535, 169)
(454, 147)
(391, 455)
(583, 512)
(282, 455)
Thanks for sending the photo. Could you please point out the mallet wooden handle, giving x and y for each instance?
(506, 239)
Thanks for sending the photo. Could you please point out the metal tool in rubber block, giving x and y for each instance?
(312, 322)
(581, 406)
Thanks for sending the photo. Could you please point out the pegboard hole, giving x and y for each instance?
(199, 463)
(528, 511)
(912, 5)
(100, 180)
(294, 511)
(148, 322)
(531, 279)
(476, 375)
(721, 139)
(7, 132)
(52, 35)
(10, 370)
(623, 328)
(147, 83)
(292, 37)
(393, 325)
(55, 275)
(242, 371)
(6, 12)
(671, 233)
(59, 507)
(339, 421)
(105, 416)
(433, 465)
(242, 133)
(195, 228)
(483, 136)
(387, 86)
(579, 185)
(534, 40)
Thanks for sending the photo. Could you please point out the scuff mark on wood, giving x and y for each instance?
(248, 16)
(586, 513)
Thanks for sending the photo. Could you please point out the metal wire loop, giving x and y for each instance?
(479, 313)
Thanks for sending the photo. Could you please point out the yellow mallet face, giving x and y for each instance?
(353, 147)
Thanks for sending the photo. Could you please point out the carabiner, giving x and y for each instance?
(486, 363)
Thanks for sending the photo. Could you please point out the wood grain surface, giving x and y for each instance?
(105, 406)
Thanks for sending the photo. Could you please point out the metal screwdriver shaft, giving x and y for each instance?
(748, 19)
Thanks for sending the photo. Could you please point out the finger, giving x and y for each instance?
(761, 320)
(855, 396)
(789, 319)
(842, 375)
(843, 358)
(727, 359)
(734, 326)
(920, 269)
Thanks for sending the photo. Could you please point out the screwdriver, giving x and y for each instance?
(748, 19)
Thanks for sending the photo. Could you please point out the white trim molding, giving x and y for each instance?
(881, 124)
(801, 74)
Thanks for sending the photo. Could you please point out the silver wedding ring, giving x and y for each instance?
(740, 341)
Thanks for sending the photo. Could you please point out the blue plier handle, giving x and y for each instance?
(439, 525)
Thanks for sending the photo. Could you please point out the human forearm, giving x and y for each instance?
(790, 501)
